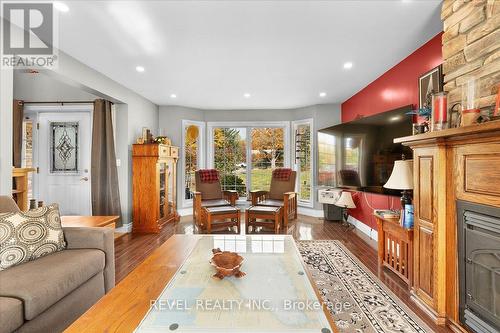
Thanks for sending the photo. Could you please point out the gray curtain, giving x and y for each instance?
(104, 175)
(17, 132)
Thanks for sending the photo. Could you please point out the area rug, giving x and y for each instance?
(356, 298)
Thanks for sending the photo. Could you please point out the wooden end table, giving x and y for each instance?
(268, 216)
(89, 221)
(225, 216)
(395, 248)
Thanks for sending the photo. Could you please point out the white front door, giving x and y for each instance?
(64, 141)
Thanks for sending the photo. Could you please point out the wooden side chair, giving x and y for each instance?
(209, 193)
(281, 194)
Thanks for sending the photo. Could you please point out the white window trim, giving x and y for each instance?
(247, 124)
(186, 203)
(295, 124)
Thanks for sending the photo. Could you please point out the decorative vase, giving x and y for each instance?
(470, 102)
(440, 115)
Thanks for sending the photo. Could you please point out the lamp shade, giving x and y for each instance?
(345, 200)
(402, 176)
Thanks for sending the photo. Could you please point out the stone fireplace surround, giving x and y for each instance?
(471, 48)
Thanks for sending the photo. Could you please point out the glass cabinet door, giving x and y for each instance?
(171, 168)
(163, 188)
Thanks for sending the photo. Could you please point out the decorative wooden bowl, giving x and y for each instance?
(226, 263)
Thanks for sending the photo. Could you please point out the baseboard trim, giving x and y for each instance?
(438, 319)
(455, 327)
(310, 211)
(126, 228)
(372, 233)
(185, 211)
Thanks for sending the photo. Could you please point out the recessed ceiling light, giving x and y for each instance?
(247, 95)
(348, 65)
(322, 94)
(173, 96)
(60, 6)
(395, 118)
(140, 69)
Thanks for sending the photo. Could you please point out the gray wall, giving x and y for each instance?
(44, 88)
(133, 113)
(323, 115)
(6, 97)
(78, 81)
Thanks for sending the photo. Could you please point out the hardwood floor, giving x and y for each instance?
(132, 249)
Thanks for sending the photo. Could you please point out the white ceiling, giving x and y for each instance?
(209, 53)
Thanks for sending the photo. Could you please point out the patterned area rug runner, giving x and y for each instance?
(357, 300)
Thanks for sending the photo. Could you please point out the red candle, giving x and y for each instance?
(440, 105)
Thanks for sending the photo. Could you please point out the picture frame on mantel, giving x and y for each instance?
(430, 83)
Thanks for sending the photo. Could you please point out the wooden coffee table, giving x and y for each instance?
(182, 263)
(268, 216)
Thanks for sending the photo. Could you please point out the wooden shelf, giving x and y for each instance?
(490, 126)
(20, 189)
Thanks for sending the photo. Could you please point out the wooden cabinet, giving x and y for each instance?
(20, 186)
(154, 173)
(449, 165)
(429, 171)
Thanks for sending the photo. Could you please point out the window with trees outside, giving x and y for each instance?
(304, 160)
(267, 154)
(245, 156)
(230, 158)
(326, 160)
(193, 134)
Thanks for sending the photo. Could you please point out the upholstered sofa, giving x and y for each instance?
(49, 293)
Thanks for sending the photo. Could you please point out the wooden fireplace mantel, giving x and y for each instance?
(449, 165)
(452, 133)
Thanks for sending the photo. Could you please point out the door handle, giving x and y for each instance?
(85, 179)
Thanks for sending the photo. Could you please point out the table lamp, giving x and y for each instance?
(402, 179)
(345, 201)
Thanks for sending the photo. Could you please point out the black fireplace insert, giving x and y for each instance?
(479, 266)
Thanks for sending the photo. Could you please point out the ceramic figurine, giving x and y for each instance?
(227, 263)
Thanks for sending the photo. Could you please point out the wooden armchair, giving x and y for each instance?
(210, 194)
(281, 194)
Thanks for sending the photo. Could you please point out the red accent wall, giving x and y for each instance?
(395, 88)
(398, 86)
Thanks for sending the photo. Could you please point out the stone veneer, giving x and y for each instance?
(471, 47)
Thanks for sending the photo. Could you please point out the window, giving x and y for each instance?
(304, 160)
(64, 147)
(326, 160)
(230, 158)
(192, 157)
(27, 152)
(245, 154)
(267, 154)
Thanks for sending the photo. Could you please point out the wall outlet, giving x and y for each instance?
(118, 162)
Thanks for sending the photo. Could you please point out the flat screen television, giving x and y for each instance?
(364, 151)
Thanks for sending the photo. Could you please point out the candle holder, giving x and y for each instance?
(470, 102)
(440, 116)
